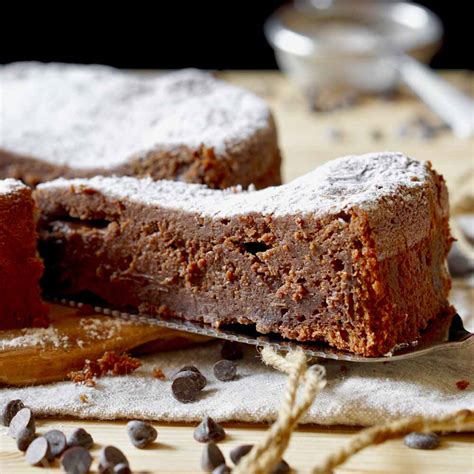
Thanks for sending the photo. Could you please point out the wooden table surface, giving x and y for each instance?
(305, 143)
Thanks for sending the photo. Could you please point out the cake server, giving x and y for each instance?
(445, 334)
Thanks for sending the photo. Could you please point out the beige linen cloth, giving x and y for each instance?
(356, 394)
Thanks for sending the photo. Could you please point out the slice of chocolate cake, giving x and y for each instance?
(353, 253)
(81, 121)
(20, 266)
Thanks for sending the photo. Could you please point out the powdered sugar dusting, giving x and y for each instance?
(35, 337)
(8, 186)
(351, 180)
(99, 117)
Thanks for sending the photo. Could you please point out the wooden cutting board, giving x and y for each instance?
(33, 356)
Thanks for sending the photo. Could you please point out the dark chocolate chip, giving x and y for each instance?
(24, 438)
(281, 468)
(186, 386)
(231, 351)
(209, 430)
(80, 437)
(38, 452)
(141, 434)
(239, 452)
(10, 410)
(225, 370)
(212, 457)
(192, 368)
(222, 469)
(422, 440)
(109, 457)
(57, 442)
(23, 419)
(122, 469)
(460, 265)
(76, 460)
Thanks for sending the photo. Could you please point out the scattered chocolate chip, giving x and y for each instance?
(122, 469)
(192, 368)
(231, 351)
(209, 430)
(239, 452)
(23, 419)
(281, 468)
(186, 386)
(24, 438)
(76, 460)
(57, 442)
(422, 440)
(109, 457)
(222, 469)
(225, 370)
(80, 437)
(141, 434)
(38, 452)
(211, 457)
(10, 410)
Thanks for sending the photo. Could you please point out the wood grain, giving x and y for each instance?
(77, 338)
(305, 144)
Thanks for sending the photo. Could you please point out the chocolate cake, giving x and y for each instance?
(64, 120)
(353, 253)
(20, 266)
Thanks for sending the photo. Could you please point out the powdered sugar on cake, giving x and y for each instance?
(99, 117)
(9, 185)
(351, 180)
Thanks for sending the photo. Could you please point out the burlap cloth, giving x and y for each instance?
(356, 393)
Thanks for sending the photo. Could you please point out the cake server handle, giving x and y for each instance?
(454, 107)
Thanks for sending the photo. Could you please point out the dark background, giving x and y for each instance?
(175, 34)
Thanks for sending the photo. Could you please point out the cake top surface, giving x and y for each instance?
(8, 186)
(338, 184)
(99, 117)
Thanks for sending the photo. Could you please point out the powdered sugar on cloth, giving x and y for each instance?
(356, 394)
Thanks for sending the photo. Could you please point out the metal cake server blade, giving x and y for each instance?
(444, 333)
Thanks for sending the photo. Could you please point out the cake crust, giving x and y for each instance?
(352, 254)
(82, 121)
(20, 267)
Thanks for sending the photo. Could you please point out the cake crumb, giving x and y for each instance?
(109, 364)
(462, 384)
(159, 374)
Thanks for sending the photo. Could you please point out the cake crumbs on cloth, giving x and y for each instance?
(109, 364)
(462, 384)
(158, 374)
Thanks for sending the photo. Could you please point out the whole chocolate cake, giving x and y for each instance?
(20, 266)
(81, 121)
(353, 253)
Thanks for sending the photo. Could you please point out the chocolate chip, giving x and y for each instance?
(192, 368)
(422, 440)
(57, 442)
(209, 430)
(186, 386)
(222, 469)
(231, 351)
(281, 468)
(225, 370)
(141, 434)
(239, 452)
(109, 457)
(24, 438)
(76, 460)
(38, 452)
(10, 410)
(211, 457)
(459, 264)
(80, 437)
(23, 419)
(122, 469)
